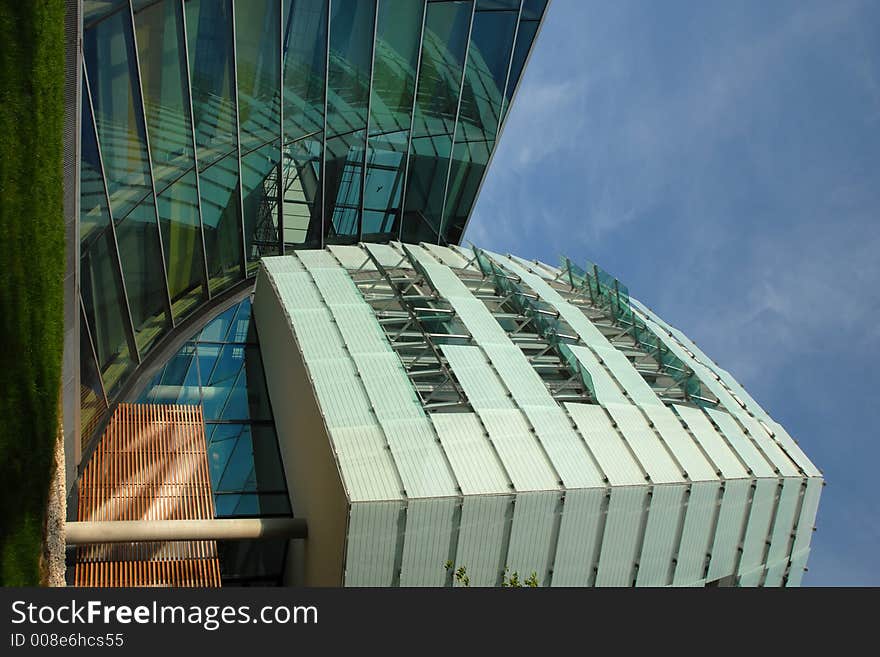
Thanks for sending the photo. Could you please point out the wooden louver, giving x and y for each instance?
(151, 464)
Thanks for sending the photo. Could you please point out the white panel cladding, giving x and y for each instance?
(807, 517)
(793, 449)
(389, 389)
(784, 520)
(534, 516)
(297, 291)
(481, 385)
(744, 447)
(315, 259)
(352, 257)
(281, 265)
(336, 286)
(645, 444)
(340, 393)
(473, 460)
(622, 536)
(770, 447)
(775, 571)
(796, 570)
(482, 534)
(696, 533)
(522, 456)
(758, 528)
(466, 254)
(429, 528)
(723, 457)
(315, 340)
(751, 578)
(732, 517)
(566, 450)
(387, 256)
(577, 548)
(371, 550)
(606, 445)
(446, 255)
(604, 387)
(359, 329)
(680, 444)
(626, 375)
(518, 375)
(661, 535)
(419, 458)
(366, 464)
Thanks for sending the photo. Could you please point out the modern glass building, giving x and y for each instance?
(265, 200)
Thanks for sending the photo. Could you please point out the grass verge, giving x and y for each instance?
(31, 273)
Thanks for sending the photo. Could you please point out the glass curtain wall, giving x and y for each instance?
(219, 131)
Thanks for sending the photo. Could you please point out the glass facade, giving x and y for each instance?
(215, 132)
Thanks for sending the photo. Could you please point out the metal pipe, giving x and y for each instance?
(126, 531)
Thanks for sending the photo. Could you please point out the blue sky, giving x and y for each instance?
(722, 159)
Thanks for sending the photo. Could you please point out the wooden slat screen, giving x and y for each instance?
(151, 464)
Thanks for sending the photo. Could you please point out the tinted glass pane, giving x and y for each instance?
(108, 49)
(217, 329)
(524, 37)
(92, 405)
(348, 93)
(182, 241)
(104, 304)
(258, 56)
(259, 179)
(212, 75)
(305, 61)
(141, 257)
(222, 222)
(443, 52)
(94, 217)
(163, 79)
(488, 61)
(398, 30)
(532, 9)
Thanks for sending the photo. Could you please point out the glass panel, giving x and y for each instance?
(218, 328)
(487, 63)
(212, 76)
(532, 9)
(104, 304)
(100, 280)
(305, 62)
(398, 32)
(443, 52)
(259, 179)
(524, 38)
(258, 56)
(116, 103)
(222, 222)
(91, 401)
(348, 93)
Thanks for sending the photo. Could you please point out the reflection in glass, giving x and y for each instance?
(348, 95)
(92, 403)
(398, 28)
(304, 53)
(479, 114)
(258, 56)
(108, 49)
(100, 279)
(209, 37)
(443, 51)
(166, 101)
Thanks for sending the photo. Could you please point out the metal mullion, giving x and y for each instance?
(464, 70)
(94, 353)
(238, 141)
(130, 333)
(412, 120)
(324, 132)
(140, 86)
(367, 126)
(280, 186)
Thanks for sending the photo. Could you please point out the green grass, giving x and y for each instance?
(31, 273)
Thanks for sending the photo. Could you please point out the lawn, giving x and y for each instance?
(31, 272)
